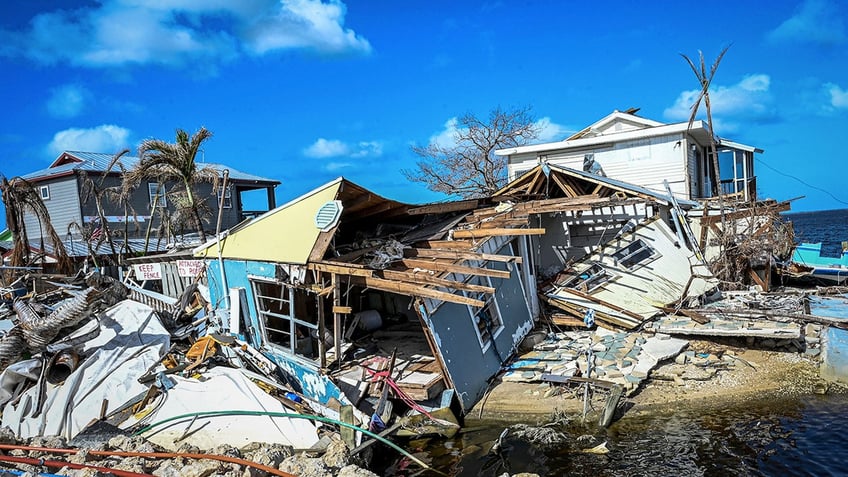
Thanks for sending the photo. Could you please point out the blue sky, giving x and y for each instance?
(303, 91)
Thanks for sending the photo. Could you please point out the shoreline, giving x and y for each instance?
(775, 374)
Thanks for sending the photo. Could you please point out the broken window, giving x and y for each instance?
(282, 314)
(486, 319)
(637, 253)
(589, 279)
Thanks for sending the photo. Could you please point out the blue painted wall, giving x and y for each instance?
(454, 332)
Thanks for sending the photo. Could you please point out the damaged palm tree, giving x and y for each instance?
(163, 161)
(21, 198)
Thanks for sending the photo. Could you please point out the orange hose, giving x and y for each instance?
(152, 455)
(59, 464)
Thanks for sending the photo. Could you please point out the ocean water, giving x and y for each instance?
(830, 227)
(802, 436)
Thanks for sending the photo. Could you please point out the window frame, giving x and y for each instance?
(484, 337)
(595, 280)
(264, 312)
(153, 192)
(44, 192)
(634, 265)
(227, 196)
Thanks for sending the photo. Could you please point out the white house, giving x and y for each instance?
(644, 152)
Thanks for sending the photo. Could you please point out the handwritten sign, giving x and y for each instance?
(189, 268)
(148, 271)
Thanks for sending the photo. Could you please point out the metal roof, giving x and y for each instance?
(99, 162)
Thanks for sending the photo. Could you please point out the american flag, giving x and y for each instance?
(96, 232)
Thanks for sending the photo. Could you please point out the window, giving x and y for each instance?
(227, 196)
(637, 253)
(45, 192)
(589, 279)
(486, 319)
(276, 305)
(156, 192)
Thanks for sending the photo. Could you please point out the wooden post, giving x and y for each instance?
(348, 434)
(322, 328)
(337, 321)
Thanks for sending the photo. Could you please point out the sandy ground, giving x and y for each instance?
(766, 374)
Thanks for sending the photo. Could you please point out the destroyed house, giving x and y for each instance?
(623, 253)
(341, 288)
(646, 153)
(61, 187)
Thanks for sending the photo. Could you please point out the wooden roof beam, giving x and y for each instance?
(456, 255)
(403, 288)
(444, 267)
(424, 278)
(495, 232)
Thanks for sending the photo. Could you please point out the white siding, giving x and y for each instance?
(644, 162)
(63, 206)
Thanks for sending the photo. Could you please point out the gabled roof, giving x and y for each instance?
(290, 234)
(70, 162)
(616, 122)
(560, 181)
(618, 127)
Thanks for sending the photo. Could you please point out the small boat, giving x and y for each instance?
(827, 270)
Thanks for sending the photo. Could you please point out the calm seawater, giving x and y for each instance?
(804, 436)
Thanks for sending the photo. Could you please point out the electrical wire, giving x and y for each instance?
(802, 182)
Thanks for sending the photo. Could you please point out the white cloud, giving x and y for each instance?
(838, 96)
(749, 99)
(323, 148)
(106, 138)
(446, 138)
(181, 32)
(368, 149)
(549, 131)
(815, 21)
(332, 148)
(306, 24)
(67, 101)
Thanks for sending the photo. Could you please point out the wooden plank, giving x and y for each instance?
(342, 309)
(340, 269)
(453, 268)
(505, 222)
(497, 232)
(607, 304)
(564, 320)
(424, 278)
(455, 255)
(409, 289)
(455, 206)
(445, 244)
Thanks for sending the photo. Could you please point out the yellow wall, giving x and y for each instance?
(286, 234)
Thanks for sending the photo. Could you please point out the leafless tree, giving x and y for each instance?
(163, 161)
(468, 166)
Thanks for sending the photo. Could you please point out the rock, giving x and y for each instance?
(303, 466)
(769, 343)
(812, 351)
(7, 436)
(196, 468)
(354, 471)
(680, 358)
(133, 444)
(266, 454)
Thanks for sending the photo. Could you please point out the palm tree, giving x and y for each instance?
(163, 161)
(97, 191)
(20, 197)
(705, 79)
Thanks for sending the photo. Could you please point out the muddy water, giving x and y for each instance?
(800, 436)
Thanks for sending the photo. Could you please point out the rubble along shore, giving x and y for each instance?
(755, 374)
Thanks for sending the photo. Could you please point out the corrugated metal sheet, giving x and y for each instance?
(99, 162)
(79, 248)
